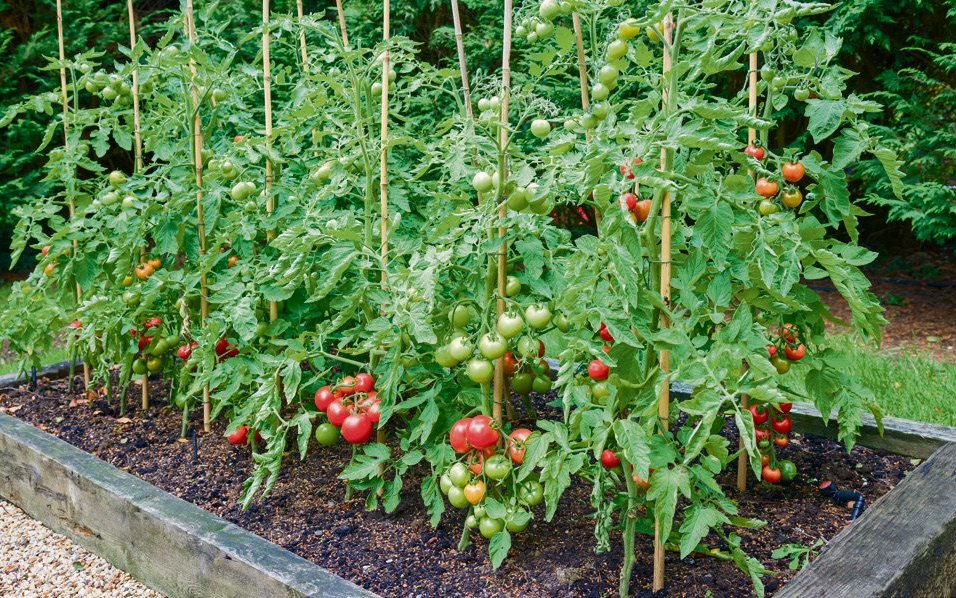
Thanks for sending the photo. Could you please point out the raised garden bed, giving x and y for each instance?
(400, 554)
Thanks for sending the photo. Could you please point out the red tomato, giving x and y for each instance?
(364, 382)
(605, 333)
(338, 412)
(75, 325)
(789, 333)
(761, 435)
(767, 188)
(477, 465)
(511, 364)
(144, 342)
(540, 348)
(598, 370)
(643, 210)
(782, 425)
(781, 441)
(771, 350)
(760, 414)
(239, 437)
(793, 171)
(481, 434)
(225, 350)
(764, 460)
(323, 398)
(347, 386)
(186, 351)
(609, 459)
(628, 201)
(755, 152)
(357, 428)
(458, 436)
(516, 446)
(152, 323)
(785, 407)
(626, 171)
(770, 475)
(795, 353)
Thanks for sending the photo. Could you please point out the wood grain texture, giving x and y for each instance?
(904, 545)
(168, 544)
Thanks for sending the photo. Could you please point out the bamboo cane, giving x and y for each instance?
(383, 154)
(267, 90)
(500, 378)
(137, 154)
(462, 65)
(742, 458)
(71, 204)
(583, 79)
(200, 212)
(341, 13)
(302, 47)
(663, 405)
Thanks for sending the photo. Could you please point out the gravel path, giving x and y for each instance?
(38, 563)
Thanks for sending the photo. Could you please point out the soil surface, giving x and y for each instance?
(399, 554)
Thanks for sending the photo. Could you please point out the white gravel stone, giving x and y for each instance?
(36, 562)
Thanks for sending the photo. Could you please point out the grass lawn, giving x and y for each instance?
(906, 383)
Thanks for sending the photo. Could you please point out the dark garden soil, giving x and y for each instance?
(399, 554)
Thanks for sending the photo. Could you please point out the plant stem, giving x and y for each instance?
(630, 530)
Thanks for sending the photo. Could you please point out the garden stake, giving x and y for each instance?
(305, 55)
(462, 66)
(500, 378)
(71, 204)
(200, 214)
(341, 13)
(137, 153)
(663, 405)
(267, 90)
(383, 159)
(742, 459)
(583, 78)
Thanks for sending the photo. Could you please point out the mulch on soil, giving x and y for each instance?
(399, 554)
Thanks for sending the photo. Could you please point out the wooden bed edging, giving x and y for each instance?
(54, 371)
(167, 543)
(904, 545)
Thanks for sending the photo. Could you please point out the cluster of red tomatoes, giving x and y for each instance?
(152, 345)
(599, 371)
(792, 172)
(639, 209)
(353, 409)
(772, 430)
(484, 470)
(789, 344)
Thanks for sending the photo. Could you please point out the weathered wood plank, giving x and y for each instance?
(904, 545)
(169, 544)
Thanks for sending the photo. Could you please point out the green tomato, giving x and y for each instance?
(767, 207)
(544, 30)
(510, 324)
(219, 95)
(561, 323)
(608, 74)
(492, 345)
(521, 31)
(801, 94)
(512, 286)
(589, 121)
(478, 510)
(537, 315)
(326, 434)
(599, 92)
(600, 390)
(117, 178)
(480, 371)
(541, 384)
(617, 49)
(497, 467)
(528, 347)
(548, 9)
(531, 493)
(788, 470)
(518, 200)
(154, 365)
(767, 73)
(459, 475)
(778, 83)
(600, 110)
(110, 197)
(540, 128)
(444, 483)
(443, 357)
(456, 496)
(471, 522)
(782, 365)
(461, 315)
(489, 526)
(460, 348)
(139, 367)
(482, 182)
(522, 383)
(514, 527)
(242, 190)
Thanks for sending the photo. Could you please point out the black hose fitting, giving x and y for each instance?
(848, 498)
